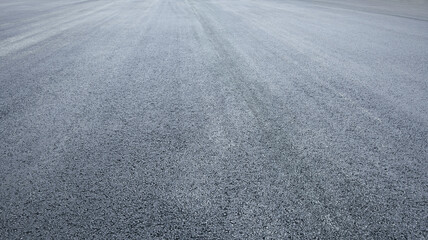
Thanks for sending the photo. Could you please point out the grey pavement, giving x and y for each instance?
(213, 119)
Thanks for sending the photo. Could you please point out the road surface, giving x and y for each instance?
(213, 119)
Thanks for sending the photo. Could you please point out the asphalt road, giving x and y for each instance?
(213, 119)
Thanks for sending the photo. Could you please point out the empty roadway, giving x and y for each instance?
(213, 119)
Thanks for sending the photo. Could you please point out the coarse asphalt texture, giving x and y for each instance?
(213, 119)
